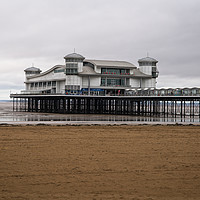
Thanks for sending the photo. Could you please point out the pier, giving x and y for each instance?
(115, 105)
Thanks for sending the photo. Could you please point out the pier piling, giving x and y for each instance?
(117, 105)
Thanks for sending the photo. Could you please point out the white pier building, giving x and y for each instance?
(92, 77)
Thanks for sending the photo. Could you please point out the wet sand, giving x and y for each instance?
(100, 162)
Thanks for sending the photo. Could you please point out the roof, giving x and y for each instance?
(74, 55)
(87, 70)
(32, 69)
(109, 63)
(46, 72)
(147, 59)
(138, 73)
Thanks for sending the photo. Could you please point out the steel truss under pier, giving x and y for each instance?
(115, 105)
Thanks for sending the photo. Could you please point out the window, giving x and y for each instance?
(153, 64)
(111, 82)
(88, 64)
(103, 70)
(122, 82)
(154, 72)
(127, 82)
(122, 72)
(53, 83)
(116, 82)
(103, 81)
(71, 65)
(58, 70)
(71, 71)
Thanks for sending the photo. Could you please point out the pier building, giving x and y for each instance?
(92, 77)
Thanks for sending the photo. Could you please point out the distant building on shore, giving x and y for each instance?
(92, 77)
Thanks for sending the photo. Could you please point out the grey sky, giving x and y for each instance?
(44, 31)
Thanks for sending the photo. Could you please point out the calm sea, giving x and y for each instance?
(7, 115)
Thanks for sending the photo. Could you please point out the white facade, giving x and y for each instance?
(93, 77)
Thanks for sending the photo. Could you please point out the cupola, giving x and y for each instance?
(147, 61)
(74, 57)
(32, 71)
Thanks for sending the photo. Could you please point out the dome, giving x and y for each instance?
(147, 59)
(74, 55)
(32, 69)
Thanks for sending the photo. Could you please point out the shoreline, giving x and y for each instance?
(96, 123)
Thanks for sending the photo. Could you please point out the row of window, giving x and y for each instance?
(147, 64)
(73, 60)
(43, 84)
(71, 68)
(114, 82)
(33, 72)
(59, 70)
(71, 65)
(115, 71)
(71, 71)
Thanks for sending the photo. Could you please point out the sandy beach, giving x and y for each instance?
(100, 162)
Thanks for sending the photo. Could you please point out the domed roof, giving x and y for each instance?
(74, 55)
(32, 69)
(147, 59)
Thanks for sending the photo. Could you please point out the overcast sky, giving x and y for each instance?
(44, 31)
